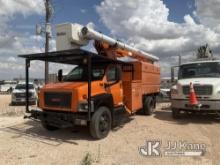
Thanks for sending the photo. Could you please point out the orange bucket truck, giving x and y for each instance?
(117, 79)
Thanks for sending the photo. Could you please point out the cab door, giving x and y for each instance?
(114, 84)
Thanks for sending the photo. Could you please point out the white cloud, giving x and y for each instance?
(11, 59)
(189, 20)
(208, 12)
(83, 11)
(13, 43)
(145, 23)
(9, 8)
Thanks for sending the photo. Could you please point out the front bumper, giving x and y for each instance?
(23, 100)
(206, 105)
(59, 119)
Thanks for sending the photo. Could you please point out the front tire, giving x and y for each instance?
(175, 113)
(100, 124)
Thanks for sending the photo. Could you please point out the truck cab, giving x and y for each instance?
(205, 77)
(71, 93)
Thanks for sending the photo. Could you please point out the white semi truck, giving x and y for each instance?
(204, 74)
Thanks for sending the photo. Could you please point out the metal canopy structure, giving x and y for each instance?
(71, 57)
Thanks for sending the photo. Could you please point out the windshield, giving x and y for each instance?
(80, 73)
(211, 69)
(23, 86)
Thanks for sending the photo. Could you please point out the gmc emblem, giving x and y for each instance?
(55, 99)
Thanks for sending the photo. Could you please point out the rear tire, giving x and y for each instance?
(175, 113)
(49, 127)
(148, 106)
(100, 124)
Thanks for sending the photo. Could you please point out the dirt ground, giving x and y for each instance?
(24, 141)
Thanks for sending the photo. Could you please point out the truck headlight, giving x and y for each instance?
(13, 95)
(83, 107)
(32, 95)
(174, 91)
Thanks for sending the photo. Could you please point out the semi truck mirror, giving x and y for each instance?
(60, 75)
(172, 74)
(174, 70)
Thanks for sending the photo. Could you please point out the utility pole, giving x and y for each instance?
(45, 29)
(47, 35)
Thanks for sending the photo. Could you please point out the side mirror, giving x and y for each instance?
(118, 74)
(172, 75)
(60, 75)
(173, 69)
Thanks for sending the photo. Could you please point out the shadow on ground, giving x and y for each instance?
(121, 122)
(186, 118)
(32, 130)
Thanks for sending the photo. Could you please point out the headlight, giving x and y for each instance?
(83, 107)
(32, 95)
(13, 95)
(174, 91)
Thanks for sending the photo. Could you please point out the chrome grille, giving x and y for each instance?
(199, 89)
(22, 95)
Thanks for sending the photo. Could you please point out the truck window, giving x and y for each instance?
(75, 74)
(97, 73)
(80, 73)
(23, 86)
(209, 69)
(113, 74)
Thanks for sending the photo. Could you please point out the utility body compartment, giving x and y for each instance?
(145, 80)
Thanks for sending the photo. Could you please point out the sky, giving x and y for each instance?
(164, 28)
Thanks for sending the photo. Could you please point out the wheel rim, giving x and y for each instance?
(104, 123)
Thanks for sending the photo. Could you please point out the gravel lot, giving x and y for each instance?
(26, 142)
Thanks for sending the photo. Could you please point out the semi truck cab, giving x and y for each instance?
(205, 77)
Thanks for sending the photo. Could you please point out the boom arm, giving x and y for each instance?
(114, 52)
(75, 35)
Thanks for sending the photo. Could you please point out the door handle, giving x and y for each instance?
(101, 84)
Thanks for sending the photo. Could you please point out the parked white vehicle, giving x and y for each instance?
(19, 93)
(7, 87)
(205, 77)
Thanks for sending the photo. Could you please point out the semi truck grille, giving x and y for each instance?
(58, 99)
(200, 90)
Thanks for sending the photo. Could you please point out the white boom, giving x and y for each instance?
(70, 36)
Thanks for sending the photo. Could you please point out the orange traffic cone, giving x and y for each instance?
(192, 96)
